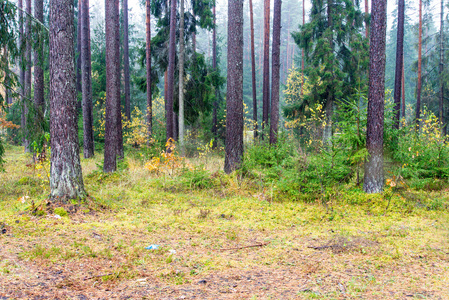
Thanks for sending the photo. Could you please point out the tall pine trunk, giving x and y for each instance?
(27, 85)
(171, 72)
(86, 78)
(276, 64)
(366, 19)
(253, 68)
(266, 66)
(66, 180)
(399, 61)
(112, 87)
(181, 80)
(302, 51)
(120, 150)
(403, 90)
(126, 60)
(38, 71)
(441, 68)
(418, 85)
(374, 177)
(148, 66)
(234, 99)
(78, 55)
(214, 66)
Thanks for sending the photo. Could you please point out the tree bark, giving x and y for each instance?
(366, 19)
(253, 68)
(112, 87)
(86, 77)
(214, 66)
(126, 60)
(21, 58)
(78, 56)
(66, 180)
(266, 66)
(418, 85)
(148, 60)
(234, 100)
(302, 51)
(171, 71)
(441, 68)
(399, 61)
(27, 85)
(120, 150)
(374, 177)
(403, 89)
(275, 60)
(38, 60)
(181, 80)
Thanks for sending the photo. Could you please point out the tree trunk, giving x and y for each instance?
(214, 66)
(418, 86)
(66, 180)
(148, 59)
(181, 80)
(120, 150)
(8, 98)
(275, 60)
(302, 51)
(38, 60)
(234, 100)
(399, 61)
(86, 77)
(112, 87)
(21, 58)
(403, 89)
(27, 85)
(374, 179)
(78, 56)
(171, 71)
(366, 19)
(126, 60)
(266, 66)
(440, 71)
(253, 68)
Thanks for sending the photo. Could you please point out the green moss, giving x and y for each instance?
(60, 211)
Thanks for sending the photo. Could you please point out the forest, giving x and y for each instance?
(211, 149)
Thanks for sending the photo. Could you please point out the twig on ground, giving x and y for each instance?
(242, 247)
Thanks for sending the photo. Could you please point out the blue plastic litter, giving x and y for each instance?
(152, 247)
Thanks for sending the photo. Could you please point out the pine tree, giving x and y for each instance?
(148, 69)
(86, 78)
(275, 72)
(234, 99)
(66, 180)
(374, 179)
(399, 62)
(126, 59)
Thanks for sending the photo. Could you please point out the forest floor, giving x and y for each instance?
(228, 241)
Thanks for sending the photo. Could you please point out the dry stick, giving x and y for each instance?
(242, 247)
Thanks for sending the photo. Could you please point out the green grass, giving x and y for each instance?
(200, 214)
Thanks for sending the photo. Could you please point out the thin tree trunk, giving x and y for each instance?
(148, 59)
(8, 98)
(126, 60)
(443, 129)
(253, 69)
(276, 52)
(266, 66)
(302, 51)
(78, 56)
(120, 150)
(66, 179)
(374, 177)
(112, 87)
(399, 61)
(38, 61)
(27, 73)
(86, 77)
(366, 19)
(234, 100)
(181, 80)
(171, 71)
(418, 86)
(214, 66)
(403, 89)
